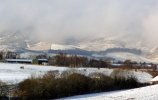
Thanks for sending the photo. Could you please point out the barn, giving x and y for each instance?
(42, 61)
(23, 61)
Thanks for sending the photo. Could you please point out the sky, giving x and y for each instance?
(63, 20)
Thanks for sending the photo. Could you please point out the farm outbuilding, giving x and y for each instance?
(23, 61)
(42, 61)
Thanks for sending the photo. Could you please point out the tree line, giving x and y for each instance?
(76, 61)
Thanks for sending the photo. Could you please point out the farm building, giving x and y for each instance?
(42, 61)
(23, 61)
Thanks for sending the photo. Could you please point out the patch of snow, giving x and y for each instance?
(143, 93)
(142, 77)
(40, 46)
(12, 73)
(124, 56)
(62, 47)
(154, 79)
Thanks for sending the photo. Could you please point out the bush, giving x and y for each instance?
(125, 83)
(49, 86)
(3, 89)
(78, 84)
(29, 88)
(101, 83)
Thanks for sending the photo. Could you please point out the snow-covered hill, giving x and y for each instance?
(39, 46)
(62, 47)
(99, 47)
(101, 44)
(122, 56)
(143, 93)
(50, 46)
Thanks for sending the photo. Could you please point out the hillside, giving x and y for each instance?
(143, 93)
(105, 47)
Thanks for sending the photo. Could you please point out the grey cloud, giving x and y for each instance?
(59, 20)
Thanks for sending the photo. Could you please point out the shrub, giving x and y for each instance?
(49, 86)
(29, 88)
(78, 84)
(101, 83)
(125, 83)
(3, 89)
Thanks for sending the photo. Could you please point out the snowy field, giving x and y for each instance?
(12, 73)
(143, 93)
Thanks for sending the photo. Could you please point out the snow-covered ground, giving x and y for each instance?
(143, 93)
(47, 46)
(134, 57)
(62, 47)
(12, 73)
